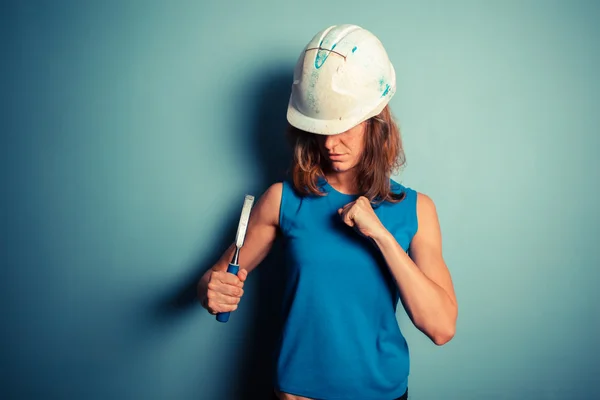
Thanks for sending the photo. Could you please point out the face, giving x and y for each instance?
(343, 151)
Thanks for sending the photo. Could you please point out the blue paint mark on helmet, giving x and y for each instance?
(386, 91)
(322, 55)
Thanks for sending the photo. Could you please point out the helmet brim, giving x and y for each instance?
(331, 126)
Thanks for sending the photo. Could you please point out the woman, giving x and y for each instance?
(356, 241)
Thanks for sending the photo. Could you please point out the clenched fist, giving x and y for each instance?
(360, 215)
(224, 291)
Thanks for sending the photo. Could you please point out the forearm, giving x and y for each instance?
(261, 233)
(429, 306)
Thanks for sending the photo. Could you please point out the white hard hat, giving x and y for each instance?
(342, 78)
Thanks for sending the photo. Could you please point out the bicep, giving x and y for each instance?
(426, 246)
(262, 228)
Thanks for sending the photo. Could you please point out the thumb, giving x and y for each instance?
(242, 274)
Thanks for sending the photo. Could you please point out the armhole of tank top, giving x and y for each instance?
(412, 195)
(282, 204)
(411, 204)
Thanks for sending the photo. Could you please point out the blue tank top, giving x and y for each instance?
(340, 338)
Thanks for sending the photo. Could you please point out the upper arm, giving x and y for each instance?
(261, 231)
(426, 246)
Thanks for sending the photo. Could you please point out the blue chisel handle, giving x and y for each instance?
(232, 269)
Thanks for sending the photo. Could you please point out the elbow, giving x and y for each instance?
(445, 332)
(443, 337)
(439, 335)
(440, 328)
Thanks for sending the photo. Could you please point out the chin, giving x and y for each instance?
(341, 167)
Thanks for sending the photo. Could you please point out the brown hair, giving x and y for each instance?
(382, 155)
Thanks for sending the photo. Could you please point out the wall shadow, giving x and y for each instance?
(266, 99)
(269, 94)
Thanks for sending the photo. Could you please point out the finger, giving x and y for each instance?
(229, 290)
(217, 298)
(349, 215)
(215, 308)
(349, 206)
(228, 278)
(363, 200)
(227, 300)
(242, 275)
(344, 211)
(346, 207)
(365, 203)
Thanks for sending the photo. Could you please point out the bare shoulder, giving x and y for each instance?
(428, 229)
(267, 207)
(274, 191)
(272, 196)
(425, 204)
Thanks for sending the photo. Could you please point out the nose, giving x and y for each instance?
(331, 141)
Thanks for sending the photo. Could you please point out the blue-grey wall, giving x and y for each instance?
(131, 131)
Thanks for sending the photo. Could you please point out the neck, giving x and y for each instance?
(344, 182)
